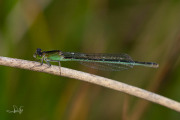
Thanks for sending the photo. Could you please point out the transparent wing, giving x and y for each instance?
(98, 56)
(113, 61)
(107, 66)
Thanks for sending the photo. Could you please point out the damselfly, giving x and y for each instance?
(110, 62)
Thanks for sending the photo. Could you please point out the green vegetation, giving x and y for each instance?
(146, 30)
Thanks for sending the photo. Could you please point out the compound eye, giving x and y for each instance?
(38, 51)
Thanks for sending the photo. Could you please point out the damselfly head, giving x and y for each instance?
(38, 53)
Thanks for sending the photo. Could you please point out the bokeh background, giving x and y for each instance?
(147, 30)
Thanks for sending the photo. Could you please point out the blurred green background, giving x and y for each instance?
(147, 30)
